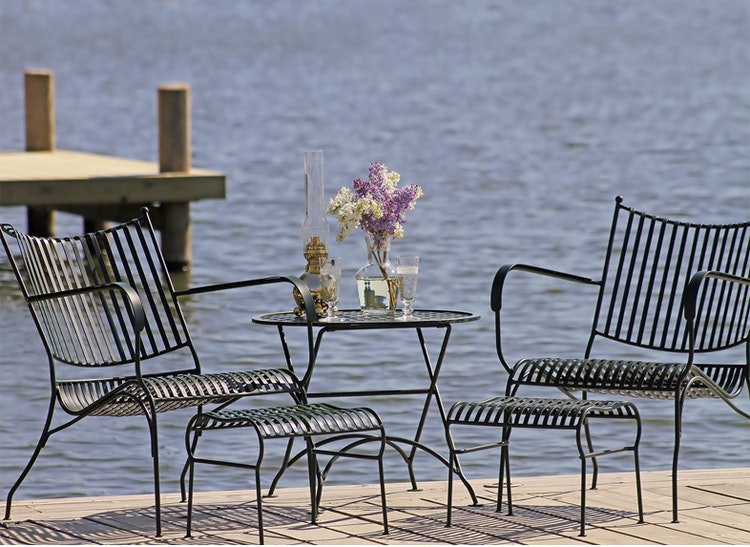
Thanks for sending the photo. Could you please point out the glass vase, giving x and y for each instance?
(377, 282)
(314, 230)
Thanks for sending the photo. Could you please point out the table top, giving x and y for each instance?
(355, 319)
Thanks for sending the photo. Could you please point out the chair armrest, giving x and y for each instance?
(693, 288)
(690, 305)
(310, 314)
(131, 296)
(498, 285)
(499, 282)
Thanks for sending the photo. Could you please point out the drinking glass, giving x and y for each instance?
(330, 285)
(407, 268)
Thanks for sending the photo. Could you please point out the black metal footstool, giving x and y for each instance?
(541, 413)
(287, 422)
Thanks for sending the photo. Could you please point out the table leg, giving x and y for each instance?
(433, 391)
(433, 373)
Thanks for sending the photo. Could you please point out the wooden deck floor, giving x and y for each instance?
(715, 509)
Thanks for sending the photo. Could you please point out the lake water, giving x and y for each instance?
(521, 120)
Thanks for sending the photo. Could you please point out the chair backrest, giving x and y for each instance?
(94, 328)
(650, 261)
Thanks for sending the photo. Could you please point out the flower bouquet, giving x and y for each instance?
(378, 207)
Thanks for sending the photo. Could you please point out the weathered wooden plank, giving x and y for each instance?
(31, 533)
(71, 164)
(546, 512)
(67, 177)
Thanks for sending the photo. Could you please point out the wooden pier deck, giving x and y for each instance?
(715, 509)
(102, 188)
(67, 178)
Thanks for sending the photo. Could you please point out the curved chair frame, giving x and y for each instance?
(105, 301)
(676, 288)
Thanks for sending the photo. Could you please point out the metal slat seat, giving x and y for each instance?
(652, 380)
(105, 302)
(127, 396)
(291, 421)
(507, 412)
(351, 426)
(536, 411)
(677, 292)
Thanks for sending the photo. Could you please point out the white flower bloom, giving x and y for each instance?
(367, 205)
(358, 207)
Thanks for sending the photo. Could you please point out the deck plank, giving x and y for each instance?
(714, 510)
(72, 178)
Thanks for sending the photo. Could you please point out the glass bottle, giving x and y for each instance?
(377, 282)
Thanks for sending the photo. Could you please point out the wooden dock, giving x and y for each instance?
(107, 188)
(714, 509)
(64, 179)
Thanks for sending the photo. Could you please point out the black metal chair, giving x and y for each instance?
(105, 300)
(318, 424)
(676, 288)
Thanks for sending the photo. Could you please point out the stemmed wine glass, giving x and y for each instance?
(330, 285)
(407, 268)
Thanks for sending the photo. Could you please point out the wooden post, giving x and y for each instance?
(39, 86)
(174, 155)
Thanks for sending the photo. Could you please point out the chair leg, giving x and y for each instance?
(639, 493)
(507, 480)
(191, 481)
(678, 402)
(582, 456)
(505, 455)
(43, 438)
(500, 480)
(155, 458)
(191, 445)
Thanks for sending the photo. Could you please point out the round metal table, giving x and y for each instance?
(356, 320)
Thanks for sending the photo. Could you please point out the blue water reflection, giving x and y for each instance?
(521, 120)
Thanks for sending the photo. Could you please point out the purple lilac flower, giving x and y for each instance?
(376, 205)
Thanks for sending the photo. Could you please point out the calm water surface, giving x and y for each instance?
(521, 120)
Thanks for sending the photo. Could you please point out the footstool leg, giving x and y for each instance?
(381, 475)
(258, 498)
(583, 497)
(453, 464)
(594, 462)
(312, 479)
(258, 492)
